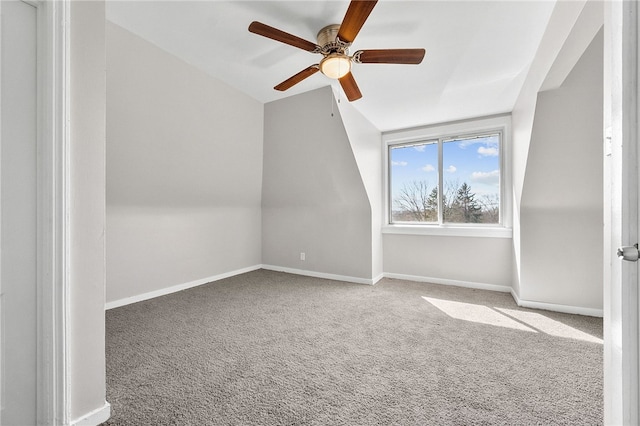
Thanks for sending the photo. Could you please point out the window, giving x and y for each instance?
(448, 181)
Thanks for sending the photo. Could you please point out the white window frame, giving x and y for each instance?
(493, 124)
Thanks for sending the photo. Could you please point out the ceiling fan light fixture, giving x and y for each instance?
(335, 65)
(333, 44)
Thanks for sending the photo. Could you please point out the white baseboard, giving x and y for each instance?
(566, 309)
(443, 281)
(378, 278)
(95, 417)
(315, 274)
(179, 287)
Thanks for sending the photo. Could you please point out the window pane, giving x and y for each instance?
(413, 181)
(471, 176)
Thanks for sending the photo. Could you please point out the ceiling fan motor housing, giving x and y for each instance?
(329, 42)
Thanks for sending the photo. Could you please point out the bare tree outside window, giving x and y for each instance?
(417, 201)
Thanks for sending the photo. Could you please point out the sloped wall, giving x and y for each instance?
(184, 171)
(562, 209)
(571, 28)
(366, 143)
(313, 197)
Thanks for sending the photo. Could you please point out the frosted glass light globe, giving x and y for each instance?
(335, 65)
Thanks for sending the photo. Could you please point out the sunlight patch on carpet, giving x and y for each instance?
(549, 326)
(476, 313)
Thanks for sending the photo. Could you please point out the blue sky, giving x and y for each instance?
(475, 161)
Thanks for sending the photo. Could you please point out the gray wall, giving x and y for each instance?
(313, 197)
(86, 374)
(561, 209)
(184, 170)
(476, 260)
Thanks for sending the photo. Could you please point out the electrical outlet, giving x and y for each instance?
(302, 256)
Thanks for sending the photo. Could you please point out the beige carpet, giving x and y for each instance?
(268, 348)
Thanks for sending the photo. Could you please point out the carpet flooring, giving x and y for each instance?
(269, 348)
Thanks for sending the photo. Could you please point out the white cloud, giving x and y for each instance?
(492, 177)
(419, 147)
(399, 163)
(452, 169)
(488, 151)
(429, 168)
(487, 141)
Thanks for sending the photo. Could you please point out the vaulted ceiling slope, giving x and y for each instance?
(478, 52)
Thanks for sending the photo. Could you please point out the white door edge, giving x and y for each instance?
(621, 326)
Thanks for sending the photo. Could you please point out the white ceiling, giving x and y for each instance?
(478, 52)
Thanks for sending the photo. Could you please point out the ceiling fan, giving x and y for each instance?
(333, 44)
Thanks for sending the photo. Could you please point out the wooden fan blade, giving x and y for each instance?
(292, 81)
(354, 19)
(286, 38)
(350, 87)
(389, 56)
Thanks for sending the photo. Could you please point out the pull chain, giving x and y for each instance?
(331, 99)
(337, 99)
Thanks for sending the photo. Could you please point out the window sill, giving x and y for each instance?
(452, 231)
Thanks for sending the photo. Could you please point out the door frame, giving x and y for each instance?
(53, 209)
(52, 286)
